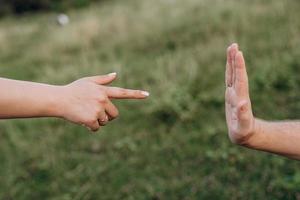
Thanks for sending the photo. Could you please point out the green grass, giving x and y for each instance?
(174, 145)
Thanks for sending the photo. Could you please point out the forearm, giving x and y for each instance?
(277, 137)
(21, 99)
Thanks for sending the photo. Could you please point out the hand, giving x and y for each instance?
(87, 101)
(239, 116)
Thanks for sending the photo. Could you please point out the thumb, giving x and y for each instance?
(103, 79)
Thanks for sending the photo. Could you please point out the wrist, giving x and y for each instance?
(55, 106)
(256, 136)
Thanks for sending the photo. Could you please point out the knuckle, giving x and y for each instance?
(98, 111)
(102, 99)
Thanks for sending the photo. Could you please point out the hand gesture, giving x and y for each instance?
(239, 117)
(87, 101)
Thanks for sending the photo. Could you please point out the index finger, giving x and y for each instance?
(121, 93)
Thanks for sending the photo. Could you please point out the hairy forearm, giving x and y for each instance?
(277, 137)
(21, 99)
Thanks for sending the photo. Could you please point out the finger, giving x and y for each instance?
(244, 114)
(230, 97)
(121, 93)
(241, 83)
(111, 110)
(93, 126)
(228, 73)
(102, 118)
(103, 79)
(233, 50)
(228, 105)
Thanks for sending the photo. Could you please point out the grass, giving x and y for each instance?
(174, 145)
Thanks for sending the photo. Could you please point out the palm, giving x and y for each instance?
(239, 117)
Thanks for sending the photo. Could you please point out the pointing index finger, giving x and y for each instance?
(121, 93)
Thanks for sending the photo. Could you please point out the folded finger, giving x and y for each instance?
(102, 118)
(93, 126)
(111, 110)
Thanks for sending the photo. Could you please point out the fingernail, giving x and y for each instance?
(147, 94)
(112, 74)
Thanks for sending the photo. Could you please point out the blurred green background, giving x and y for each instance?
(173, 145)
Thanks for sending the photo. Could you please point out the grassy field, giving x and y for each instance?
(174, 145)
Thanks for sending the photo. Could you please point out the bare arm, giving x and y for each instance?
(19, 99)
(244, 129)
(86, 101)
(277, 137)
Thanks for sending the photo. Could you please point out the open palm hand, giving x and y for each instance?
(239, 116)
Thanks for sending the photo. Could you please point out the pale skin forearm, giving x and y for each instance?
(87, 101)
(280, 137)
(21, 99)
